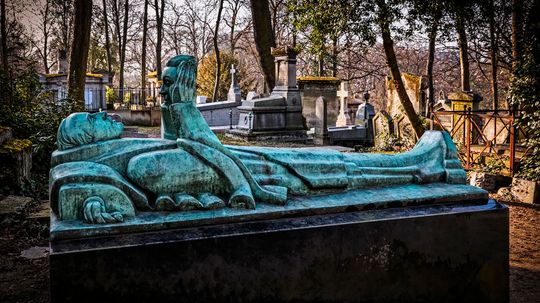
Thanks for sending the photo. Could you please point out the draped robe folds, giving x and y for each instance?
(301, 170)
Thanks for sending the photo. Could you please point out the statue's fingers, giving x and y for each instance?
(117, 216)
(88, 213)
(96, 213)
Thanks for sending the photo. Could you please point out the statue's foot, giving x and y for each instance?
(181, 201)
(165, 203)
(94, 212)
(187, 202)
(242, 198)
(210, 201)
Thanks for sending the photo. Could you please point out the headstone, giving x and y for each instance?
(489, 182)
(343, 118)
(414, 87)
(201, 99)
(496, 129)
(234, 91)
(365, 111)
(526, 191)
(321, 129)
(311, 89)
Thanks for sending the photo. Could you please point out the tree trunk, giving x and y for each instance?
(45, 33)
(493, 55)
(159, 26)
(320, 67)
(79, 52)
(429, 66)
(334, 56)
(3, 33)
(264, 40)
(463, 53)
(122, 46)
(107, 41)
(517, 31)
(143, 51)
(391, 59)
(215, 96)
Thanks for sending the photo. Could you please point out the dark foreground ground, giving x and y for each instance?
(24, 263)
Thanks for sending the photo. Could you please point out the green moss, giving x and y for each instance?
(16, 145)
(316, 78)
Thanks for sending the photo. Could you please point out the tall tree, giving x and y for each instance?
(385, 18)
(143, 50)
(264, 39)
(463, 51)
(517, 31)
(3, 33)
(160, 9)
(493, 54)
(121, 28)
(79, 51)
(107, 39)
(216, 52)
(63, 12)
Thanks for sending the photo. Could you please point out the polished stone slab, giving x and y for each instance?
(450, 252)
(364, 199)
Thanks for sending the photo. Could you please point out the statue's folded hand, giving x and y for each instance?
(95, 212)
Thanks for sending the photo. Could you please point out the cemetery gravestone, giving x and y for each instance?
(279, 116)
(312, 88)
(343, 118)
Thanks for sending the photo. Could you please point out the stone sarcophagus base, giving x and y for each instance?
(364, 246)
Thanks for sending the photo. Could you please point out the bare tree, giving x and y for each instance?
(3, 33)
(216, 51)
(463, 52)
(107, 39)
(79, 51)
(159, 9)
(143, 49)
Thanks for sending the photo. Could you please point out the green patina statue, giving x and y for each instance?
(99, 178)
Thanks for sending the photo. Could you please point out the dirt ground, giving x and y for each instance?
(26, 280)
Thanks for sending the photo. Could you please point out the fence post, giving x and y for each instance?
(468, 131)
(512, 142)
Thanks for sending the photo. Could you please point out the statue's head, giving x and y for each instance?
(178, 80)
(84, 128)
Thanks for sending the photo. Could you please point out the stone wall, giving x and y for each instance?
(145, 117)
(312, 88)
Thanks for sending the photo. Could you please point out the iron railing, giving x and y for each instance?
(484, 133)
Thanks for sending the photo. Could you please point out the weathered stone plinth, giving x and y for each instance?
(437, 243)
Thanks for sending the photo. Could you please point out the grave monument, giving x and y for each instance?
(279, 116)
(187, 218)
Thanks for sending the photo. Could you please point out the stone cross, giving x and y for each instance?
(234, 91)
(343, 117)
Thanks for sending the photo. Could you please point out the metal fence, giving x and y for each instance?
(133, 98)
(484, 134)
(114, 98)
